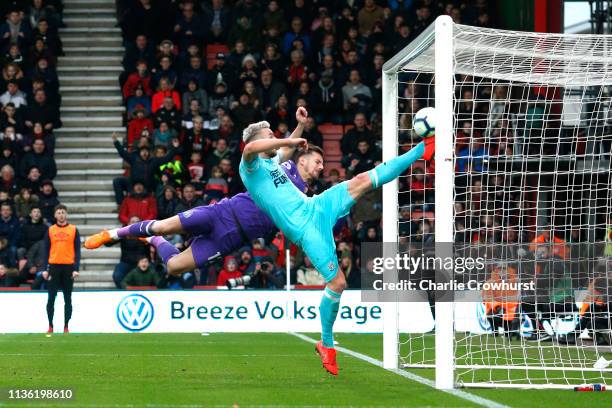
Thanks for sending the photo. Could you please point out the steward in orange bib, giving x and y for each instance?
(63, 248)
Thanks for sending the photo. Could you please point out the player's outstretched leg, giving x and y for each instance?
(328, 310)
(140, 229)
(176, 262)
(392, 169)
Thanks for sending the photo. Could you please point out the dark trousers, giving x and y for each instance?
(60, 277)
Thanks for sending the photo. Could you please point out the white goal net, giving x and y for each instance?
(522, 178)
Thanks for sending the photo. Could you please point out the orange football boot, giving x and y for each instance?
(97, 240)
(328, 358)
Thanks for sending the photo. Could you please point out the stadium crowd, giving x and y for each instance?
(198, 72)
(29, 113)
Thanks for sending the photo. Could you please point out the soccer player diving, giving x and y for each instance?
(308, 221)
(221, 228)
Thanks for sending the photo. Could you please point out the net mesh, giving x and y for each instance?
(532, 142)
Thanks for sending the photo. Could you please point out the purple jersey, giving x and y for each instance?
(215, 226)
(254, 222)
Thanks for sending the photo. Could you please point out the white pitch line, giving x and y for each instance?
(417, 378)
(143, 355)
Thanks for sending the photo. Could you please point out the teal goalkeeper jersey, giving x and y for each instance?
(276, 195)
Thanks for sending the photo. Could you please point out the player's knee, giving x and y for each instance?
(174, 267)
(160, 228)
(338, 284)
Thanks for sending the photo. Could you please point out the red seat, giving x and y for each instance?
(215, 48)
(331, 131)
(331, 148)
(211, 53)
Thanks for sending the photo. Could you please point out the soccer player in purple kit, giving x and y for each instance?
(221, 228)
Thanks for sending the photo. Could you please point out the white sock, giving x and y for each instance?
(149, 239)
(113, 233)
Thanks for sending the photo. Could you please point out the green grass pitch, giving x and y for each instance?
(190, 370)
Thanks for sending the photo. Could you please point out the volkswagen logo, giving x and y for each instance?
(135, 313)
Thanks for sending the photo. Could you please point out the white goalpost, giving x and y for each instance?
(521, 179)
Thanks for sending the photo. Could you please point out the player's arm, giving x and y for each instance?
(301, 115)
(252, 149)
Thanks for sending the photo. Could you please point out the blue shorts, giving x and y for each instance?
(318, 239)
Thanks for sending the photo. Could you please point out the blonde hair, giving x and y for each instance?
(253, 128)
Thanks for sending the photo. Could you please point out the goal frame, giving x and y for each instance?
(441, 32)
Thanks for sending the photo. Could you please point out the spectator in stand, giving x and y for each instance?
(167, 203)
(246, 264)
(15, 31)
(10, 136)
(356, 96)
(269, 91)
(195, 92)
(230, 271)
(46, 30)
(10, 229)
(33, 230)
(308, 275)
(138, 204)
(216, 188)
(48, 200)
(165, 90)
(245, 112)
(163, 135)
(168, 113)
(142, 275)
(216, 21)
(143, 167)
(188, 28)
(196, 170)
(138, 101)
(7, 180)
(25, 201)
(6, 280)
(349, 141)
(38, 132)
(189, 199)
(137, 126)
(297, 71)
(362, 160)
(11, 117)
(267, 275)
(13, 95)
(220, 72)
(236, 55)
(138, 52)
(132, 250)
(296, 33)
(326, 101)
(280, 112)
(368, 16)
(247, 31)
(220, 152)
(220, 98)
(141, 78)
(194, 72)
(42, 111)
(38, 157)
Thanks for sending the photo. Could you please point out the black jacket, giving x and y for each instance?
(144, 170)
(32, 233)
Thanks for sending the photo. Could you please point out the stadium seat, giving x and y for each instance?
(331, 148)
(331, 131)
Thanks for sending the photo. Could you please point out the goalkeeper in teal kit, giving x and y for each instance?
(308, 221)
